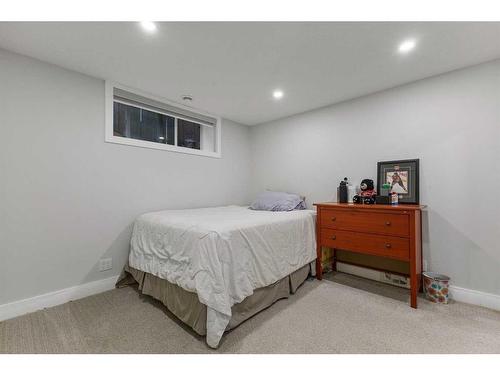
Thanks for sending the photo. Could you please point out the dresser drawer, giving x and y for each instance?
(369, 222)
(373, 244)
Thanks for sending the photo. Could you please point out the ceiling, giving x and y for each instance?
(231, 69)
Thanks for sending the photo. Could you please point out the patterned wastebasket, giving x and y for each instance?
(436, 287)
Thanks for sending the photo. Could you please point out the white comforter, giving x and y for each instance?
(222, 253)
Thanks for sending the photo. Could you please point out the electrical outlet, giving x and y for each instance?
(105, 264)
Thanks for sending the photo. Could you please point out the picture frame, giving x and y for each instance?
(403, 175)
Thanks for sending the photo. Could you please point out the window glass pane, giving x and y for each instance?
(188, 134)
(137, 123)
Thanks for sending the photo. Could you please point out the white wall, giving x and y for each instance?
(450, 122)
(67, 198)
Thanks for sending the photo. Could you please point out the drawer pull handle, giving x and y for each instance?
(334, 237)
(388, 245)
(334, 218)
(387, 223)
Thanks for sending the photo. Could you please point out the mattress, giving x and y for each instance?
(222, 254)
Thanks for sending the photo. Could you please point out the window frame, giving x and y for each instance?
(111, 138)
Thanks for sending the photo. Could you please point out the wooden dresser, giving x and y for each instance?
(380, 230)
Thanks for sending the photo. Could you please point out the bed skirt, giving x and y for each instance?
(186, 306)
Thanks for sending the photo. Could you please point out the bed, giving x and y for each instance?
(215, 267)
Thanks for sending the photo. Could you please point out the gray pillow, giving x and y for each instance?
(278, 201)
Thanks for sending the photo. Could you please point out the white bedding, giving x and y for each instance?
(222, 253)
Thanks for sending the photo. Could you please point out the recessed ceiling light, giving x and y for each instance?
(148, 26)
(277, 94)
(407, 46)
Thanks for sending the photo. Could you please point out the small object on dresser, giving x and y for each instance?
(382, 199)
(351, 192)
(367, 188)
(343, 191)
(385, 190)
(394, 198)
(369, 200)
(385, 195)
(367, 194)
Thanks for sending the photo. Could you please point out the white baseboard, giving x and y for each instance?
(367, 273)
(475, 297)
(364, 272)
(25, 306)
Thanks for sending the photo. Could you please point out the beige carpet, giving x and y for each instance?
(323, 317)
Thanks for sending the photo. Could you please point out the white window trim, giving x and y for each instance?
(111, 138)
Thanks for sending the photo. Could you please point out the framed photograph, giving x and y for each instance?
(402, 175)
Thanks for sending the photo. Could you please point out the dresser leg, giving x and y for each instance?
(319, 268)
(334, 260)
(413, 298)
(414, 287)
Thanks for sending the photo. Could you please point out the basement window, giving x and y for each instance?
(137, 119)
